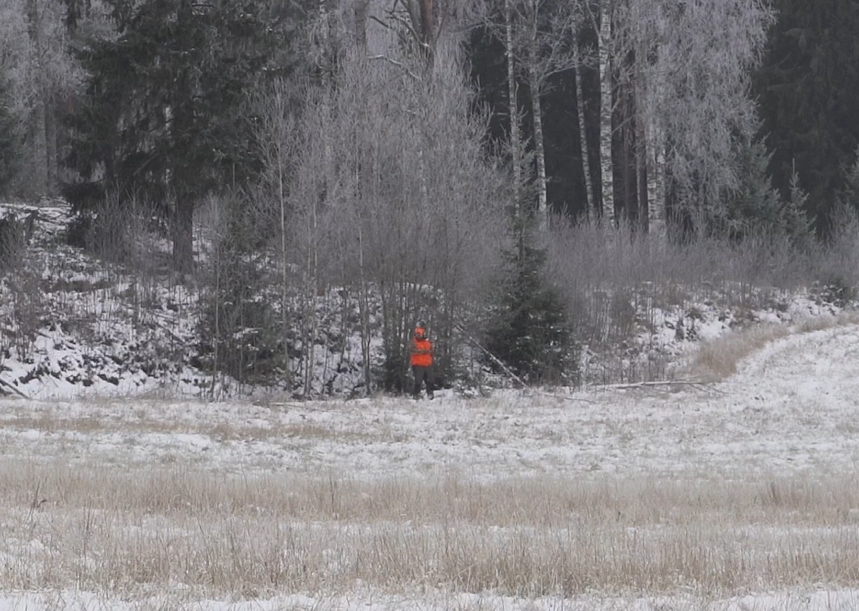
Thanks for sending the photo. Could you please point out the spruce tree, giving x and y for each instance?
(808, 89)
(753, 206)
(796, 223)
(163, 107)
(529, 330)
(848, 197)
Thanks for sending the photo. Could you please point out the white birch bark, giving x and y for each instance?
(280, 161)
(513, 107)
(540, 153)
(535, 83)
(586, 162)
(605, 114)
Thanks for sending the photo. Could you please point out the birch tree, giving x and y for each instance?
(513, 104)
(545, 32)
(629, 45)
(279, 144)
(409, 207)
(699, 100)
(674, 93)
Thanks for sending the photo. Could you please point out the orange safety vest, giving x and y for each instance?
(421, 352)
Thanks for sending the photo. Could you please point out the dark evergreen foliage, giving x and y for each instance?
(162, 106)
(755, 208)
(12, 241)
(392, 371)
(754, 205)
(240, 332)
(797, 225)
(808, 89)
(848, 197)
(162, 115)
(529, 330)
(9, 140)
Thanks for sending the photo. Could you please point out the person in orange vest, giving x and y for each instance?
(421, 360)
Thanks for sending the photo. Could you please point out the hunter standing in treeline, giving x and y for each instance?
(421, 360)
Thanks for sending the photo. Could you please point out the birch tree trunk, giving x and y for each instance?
(628, 146)
(643, 195)
(281, 160)
(312, 288)
(537, 114)
(605, 66)
(284, 284)
(427, 25)
(361, 9)
(364, 312)
(540, 152)
(51, 144)
(580, 111)
(513, 106)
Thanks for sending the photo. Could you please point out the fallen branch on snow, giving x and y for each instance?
(5, 384)
(510, 373)
(657, 384)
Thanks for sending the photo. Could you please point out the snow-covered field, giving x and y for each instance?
(791, 410)
(789, 414)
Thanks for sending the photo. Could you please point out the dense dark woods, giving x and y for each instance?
(808, 91)
(518, 173)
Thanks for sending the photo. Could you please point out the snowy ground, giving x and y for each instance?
(791, 411)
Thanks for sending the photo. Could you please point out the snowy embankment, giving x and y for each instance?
(789, 412)
(73, 325)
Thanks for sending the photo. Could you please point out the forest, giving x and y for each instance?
(522, 174)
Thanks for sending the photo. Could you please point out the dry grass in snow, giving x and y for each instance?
(717, 359)
(124, 532)
(738, 496)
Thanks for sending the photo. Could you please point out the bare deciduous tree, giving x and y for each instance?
(706, 51)
(407, 213)
(539, 42)
(279, 144)
(679, 87)
(674, 91)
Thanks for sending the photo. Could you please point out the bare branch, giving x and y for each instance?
(384, 24)
(396, 63)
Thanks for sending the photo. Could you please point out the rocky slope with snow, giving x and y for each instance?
(73, 325)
